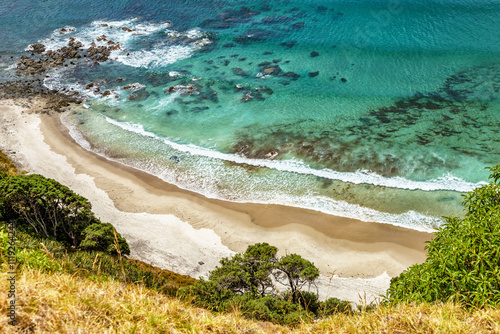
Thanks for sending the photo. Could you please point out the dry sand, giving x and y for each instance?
(189, 233)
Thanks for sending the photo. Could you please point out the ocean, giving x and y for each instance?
(383, 111)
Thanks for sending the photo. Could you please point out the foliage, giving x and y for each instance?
(65, 303)
(295, 271)
(47, 208)
(333, 306)
(51, 209)
(100, 237)
(247, 282)
(463, 260)
(275, 309)
(53, 256)
(248, 272)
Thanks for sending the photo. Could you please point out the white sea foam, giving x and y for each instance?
(160, 56)
(126, 33)
(446, 182)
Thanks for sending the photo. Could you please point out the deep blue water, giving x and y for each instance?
(384, 111)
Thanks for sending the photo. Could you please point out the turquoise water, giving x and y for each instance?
(384, 111)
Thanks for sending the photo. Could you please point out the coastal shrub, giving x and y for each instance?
(333, 306)
(249, 272)
(44, 207)
(247, 282)
(275, 309)
(53, 256)
(463, 260)
(49, 208)
(100, 237)
(296, 272)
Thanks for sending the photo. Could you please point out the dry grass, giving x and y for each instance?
(7, 167)
(60, 303)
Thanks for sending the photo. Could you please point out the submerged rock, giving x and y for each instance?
(240, 72)
(313, 74)
(292, 75)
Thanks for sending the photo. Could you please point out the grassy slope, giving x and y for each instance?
(63, 303)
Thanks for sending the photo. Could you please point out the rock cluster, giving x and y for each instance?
(42, 60)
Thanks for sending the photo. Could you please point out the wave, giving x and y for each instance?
(175, 45)
(446, 182)
(410, 219)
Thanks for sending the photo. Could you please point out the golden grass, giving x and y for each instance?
(7, 166)
(61, 303)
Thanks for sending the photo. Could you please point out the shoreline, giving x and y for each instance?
(186, 232)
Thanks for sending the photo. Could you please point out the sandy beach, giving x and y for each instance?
(188, 233)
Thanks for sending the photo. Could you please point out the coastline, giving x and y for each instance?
(188, 233)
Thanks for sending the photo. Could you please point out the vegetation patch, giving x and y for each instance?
(463, 260)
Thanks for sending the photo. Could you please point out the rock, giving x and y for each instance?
(247, 97)
(229, 45)
(291, 75)
(314, 54)
(201, 263)
(172, 112)
(175, 158)
(272, 70)
(313, 74)
(275, 19)
(127, 29)
(184, 90)
(99, 53)
(289, 45)
(298, 25)
(264, 89)
(343, 79)
(139, 95)
(199, 109)
(36, 48)
(240, 72)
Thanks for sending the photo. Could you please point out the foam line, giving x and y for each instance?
(447, 182)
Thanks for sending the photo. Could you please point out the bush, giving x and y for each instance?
(274, 309)
(48, 209)
(246, 282)
(333, 306)
(101, 237)
(463, 260)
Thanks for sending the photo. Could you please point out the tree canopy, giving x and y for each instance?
(463, 260)
(49, 209)
(249, 281)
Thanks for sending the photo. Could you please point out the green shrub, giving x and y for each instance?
(463, 260)
(44, 207)
(273, 308)
(101, 237)
(246, 282)
(333, 306)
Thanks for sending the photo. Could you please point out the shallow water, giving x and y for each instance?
(381, 111)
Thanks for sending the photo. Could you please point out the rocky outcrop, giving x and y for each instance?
(34, 88)
(43, 59)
